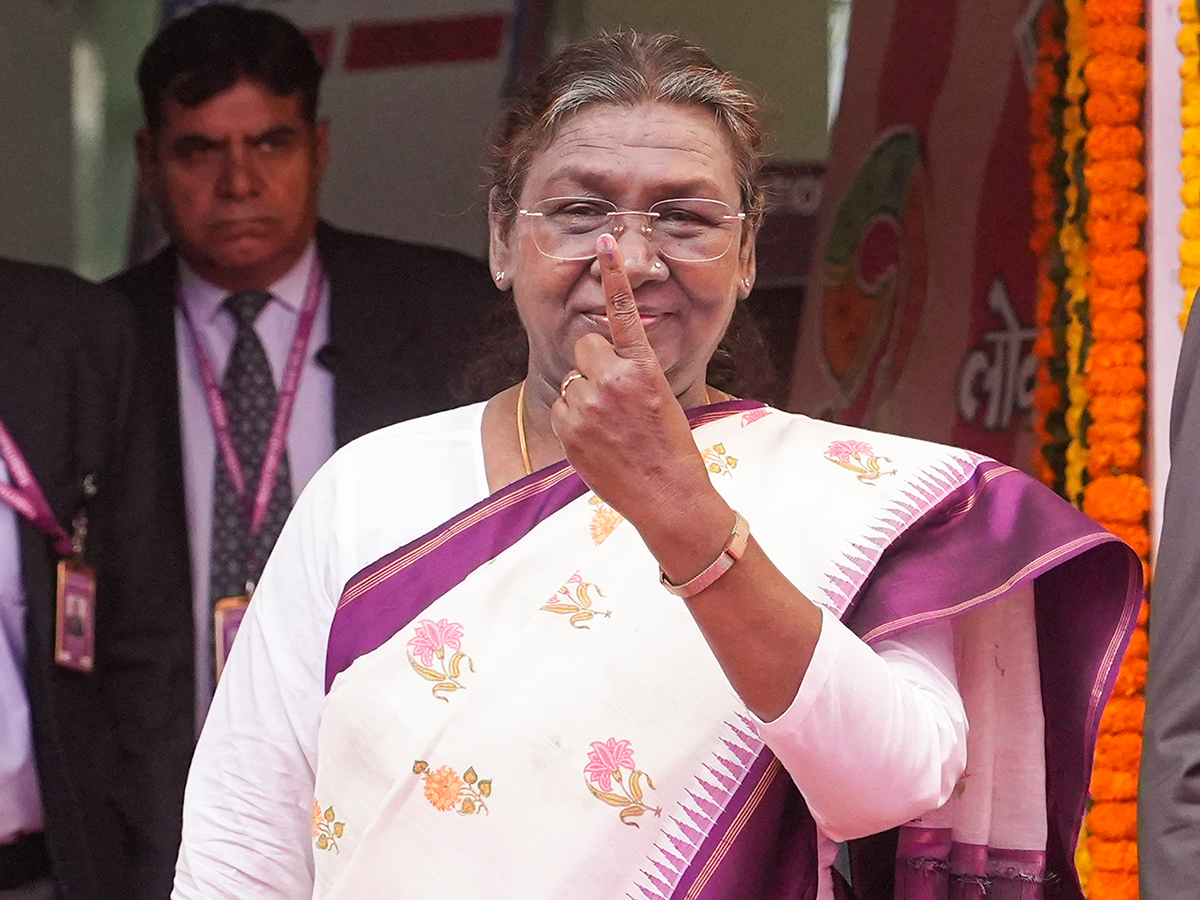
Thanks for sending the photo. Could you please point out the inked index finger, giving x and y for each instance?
(624, 320)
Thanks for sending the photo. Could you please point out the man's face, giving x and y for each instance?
(236, 179)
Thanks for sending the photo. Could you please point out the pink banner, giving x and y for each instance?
(919, 315)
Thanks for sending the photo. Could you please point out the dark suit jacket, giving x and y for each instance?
(402, 319)
(1169, 783)
(66, 356)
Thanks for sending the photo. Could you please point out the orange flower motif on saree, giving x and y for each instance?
(860, 458)
(435, 653)
(446, 790)
(612, 776)
(325, 830)
(718, 461)
(605, 520)
(574, 599)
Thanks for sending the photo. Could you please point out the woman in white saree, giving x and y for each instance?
(464, 672)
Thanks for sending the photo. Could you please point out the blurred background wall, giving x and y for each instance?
(407, 135)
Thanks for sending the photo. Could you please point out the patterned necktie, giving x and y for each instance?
(250, 396)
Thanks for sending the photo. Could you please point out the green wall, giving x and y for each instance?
(778, 46)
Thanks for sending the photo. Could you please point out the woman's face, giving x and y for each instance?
(633, 157)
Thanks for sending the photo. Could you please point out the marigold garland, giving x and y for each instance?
(1188, 42)
(1090, 395)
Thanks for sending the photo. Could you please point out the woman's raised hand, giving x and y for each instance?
(621, 426)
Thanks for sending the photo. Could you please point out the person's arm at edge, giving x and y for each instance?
(1169, 783)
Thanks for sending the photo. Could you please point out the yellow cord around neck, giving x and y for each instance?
(521, 429)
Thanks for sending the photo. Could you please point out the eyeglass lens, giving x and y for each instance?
(688, 229)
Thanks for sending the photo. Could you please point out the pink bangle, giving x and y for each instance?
(730, 553)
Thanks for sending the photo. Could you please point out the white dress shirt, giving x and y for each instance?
(310, 435)
(893, 710)
(20, 798)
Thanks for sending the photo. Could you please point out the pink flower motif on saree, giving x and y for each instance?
(718, 461)
(446, 790)
(605, 520)
(613, 777)
(435, 653)
(860, 458)
(749, 418)
(325, 830)
(574, 599)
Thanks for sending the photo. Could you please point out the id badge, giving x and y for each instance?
(75, 629)
(227, 619)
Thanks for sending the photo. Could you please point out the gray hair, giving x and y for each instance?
(626, 69)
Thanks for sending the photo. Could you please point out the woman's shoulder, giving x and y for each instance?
(414, 439)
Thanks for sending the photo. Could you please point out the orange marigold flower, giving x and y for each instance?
(1119, 267)
(1139, 645)
(1127, 206)
(1113, 884)
(1124, 456)
(1110, 236)
(1134, 534)
(1124, 714)
(1114, 856)
(1047, 396)
(1114, 142)
(1100, 432)
(1119, 752)
(1113, 820)
(1112, 109)
(1114, 174)
(1118, 326)
(1112, 355)
(1043, 345)
(1115, 73)
(443, 788)
(1117, 498)
(1131, 679)
(1109, 785)
(1114, 298)
(1120, 406)
(1124, 39)
(1115, 12)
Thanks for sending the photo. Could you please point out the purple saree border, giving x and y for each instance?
(388, 594)
(1087, 590)
(761, 844)
(1048, 542)
(931, 866)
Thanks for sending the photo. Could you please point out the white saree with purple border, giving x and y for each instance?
(515, 706)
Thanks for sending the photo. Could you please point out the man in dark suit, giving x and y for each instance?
(90, 757)
(258, 305)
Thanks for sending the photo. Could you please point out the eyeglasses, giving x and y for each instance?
(687, 229)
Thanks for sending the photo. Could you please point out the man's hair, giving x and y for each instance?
(208, 51)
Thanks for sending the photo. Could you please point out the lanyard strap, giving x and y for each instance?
(218, 411)
(25, 495)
